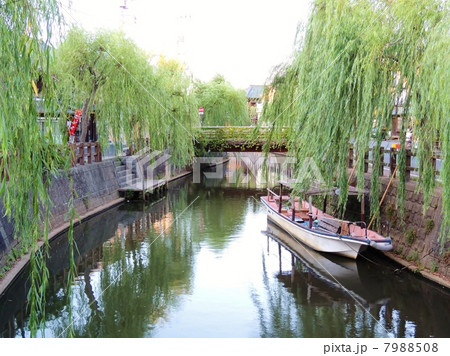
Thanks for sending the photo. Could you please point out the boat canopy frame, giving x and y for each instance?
(316, 191)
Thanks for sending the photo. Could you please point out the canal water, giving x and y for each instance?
(202, 261)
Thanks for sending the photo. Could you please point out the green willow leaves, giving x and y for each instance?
(223, 105)
(356, 60)
(29, 154)
(133, 99)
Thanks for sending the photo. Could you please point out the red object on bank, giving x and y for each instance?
(200, 111)
(74, 123)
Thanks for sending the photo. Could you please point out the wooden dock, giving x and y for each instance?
(144, 189)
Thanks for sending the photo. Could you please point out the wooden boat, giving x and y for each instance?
(318, 230)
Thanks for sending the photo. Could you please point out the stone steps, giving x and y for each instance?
(126, 172)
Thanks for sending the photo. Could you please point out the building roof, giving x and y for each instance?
(255, 91)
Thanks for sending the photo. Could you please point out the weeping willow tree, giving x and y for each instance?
(222, 103)
(128, 96)
(29, 155)
(181, 106)
(133, 100)
(356, 60)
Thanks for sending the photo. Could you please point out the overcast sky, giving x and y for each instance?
(239, 39)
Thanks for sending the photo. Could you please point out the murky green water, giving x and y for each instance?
(198, 263)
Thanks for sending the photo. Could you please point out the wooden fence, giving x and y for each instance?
(391, 162)
(85, 152)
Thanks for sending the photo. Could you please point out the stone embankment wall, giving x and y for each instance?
(7, 241)
(415, 237)
(96, 185)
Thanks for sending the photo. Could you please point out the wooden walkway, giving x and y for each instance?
(148, 185)
(144, 188)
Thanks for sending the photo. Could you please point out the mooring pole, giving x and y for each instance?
(293, 268)
(279, 257)
(384, 195)
(310, 211)
(363, 213)
(281, 198)
(293, 207)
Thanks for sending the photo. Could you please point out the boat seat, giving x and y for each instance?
(345, 229)
(329, 225)
(302, 215)
(356, 231)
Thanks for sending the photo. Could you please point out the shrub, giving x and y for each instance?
(410, 236)
(390, 211)
(429, 225)
(413, 256)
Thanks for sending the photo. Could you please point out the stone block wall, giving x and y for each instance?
(415, 237)
(7, 241)
(96, 185)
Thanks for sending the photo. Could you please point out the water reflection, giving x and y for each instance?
(132, 261)
(326, 302)
(337, 297)
(171, 269)
(252, 171)
(147, 265)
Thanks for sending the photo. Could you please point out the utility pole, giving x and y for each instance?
(183, 28)
(123, 9)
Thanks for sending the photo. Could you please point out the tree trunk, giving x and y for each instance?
(85, 115)
(84, 121)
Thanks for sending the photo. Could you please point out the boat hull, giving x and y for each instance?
(321, 242)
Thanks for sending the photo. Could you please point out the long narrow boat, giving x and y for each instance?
(320, 231)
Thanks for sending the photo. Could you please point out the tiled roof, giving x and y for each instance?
(255, 91)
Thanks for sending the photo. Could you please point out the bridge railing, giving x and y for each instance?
(232, 132)
(235, 138)
(238, 138)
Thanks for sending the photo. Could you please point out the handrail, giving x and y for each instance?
(392, 152)
(273, 193)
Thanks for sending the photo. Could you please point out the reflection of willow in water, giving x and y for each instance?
(145, 269)
(303, 305)
(148, 264)
(250, 170)
(143, 258)
(328, 296)
(218, 215)
(127, 283)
